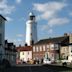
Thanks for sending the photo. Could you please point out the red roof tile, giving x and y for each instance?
(24, 48)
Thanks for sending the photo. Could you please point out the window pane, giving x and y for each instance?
(43, 47)
(40, 48)
(56, 46)
(47, 46)
(52, 45)
(37, 49)
(33, 48)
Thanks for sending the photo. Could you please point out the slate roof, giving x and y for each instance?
(64, 39)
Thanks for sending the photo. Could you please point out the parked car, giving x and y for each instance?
(47, 61)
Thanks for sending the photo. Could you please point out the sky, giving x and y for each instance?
(54, 18)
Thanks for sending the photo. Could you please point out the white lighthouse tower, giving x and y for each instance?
(31, 30)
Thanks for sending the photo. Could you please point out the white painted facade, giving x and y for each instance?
(31, 30)
(25, 55)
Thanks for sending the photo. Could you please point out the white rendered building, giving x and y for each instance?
(24, 53)
(31, 30)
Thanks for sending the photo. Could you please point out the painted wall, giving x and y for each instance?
(25, 55)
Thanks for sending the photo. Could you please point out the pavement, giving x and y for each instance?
(36, 68)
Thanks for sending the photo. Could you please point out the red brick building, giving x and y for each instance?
(49, 46)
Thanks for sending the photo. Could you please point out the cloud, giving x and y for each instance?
(50, 31)
(70, 13)
(9, 19)
(46, 15)
(51, 6)
(18, 1)
(20, 35)
(5, 8)
(44, 27)
(48, 10)
(18, 42)
(58, 21)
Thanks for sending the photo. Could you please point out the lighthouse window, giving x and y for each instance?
(31, 17)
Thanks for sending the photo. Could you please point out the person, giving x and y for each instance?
(41, 60)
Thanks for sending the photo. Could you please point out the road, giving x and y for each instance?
(37, 68)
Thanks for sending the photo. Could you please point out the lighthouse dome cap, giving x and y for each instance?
(31, 14)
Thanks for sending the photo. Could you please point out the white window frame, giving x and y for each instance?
(56, 46)
(44, 48)
(37, 49)
(34, 48)
(47, 46)
(52, 46)
(40, 48)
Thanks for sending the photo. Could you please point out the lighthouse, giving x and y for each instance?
(31, 30)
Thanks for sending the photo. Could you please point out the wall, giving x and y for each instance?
(40, 50)
(64, 52)
(25, 55)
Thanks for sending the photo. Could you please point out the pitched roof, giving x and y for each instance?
(2, 17)
(53, 40)
(24, 48)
